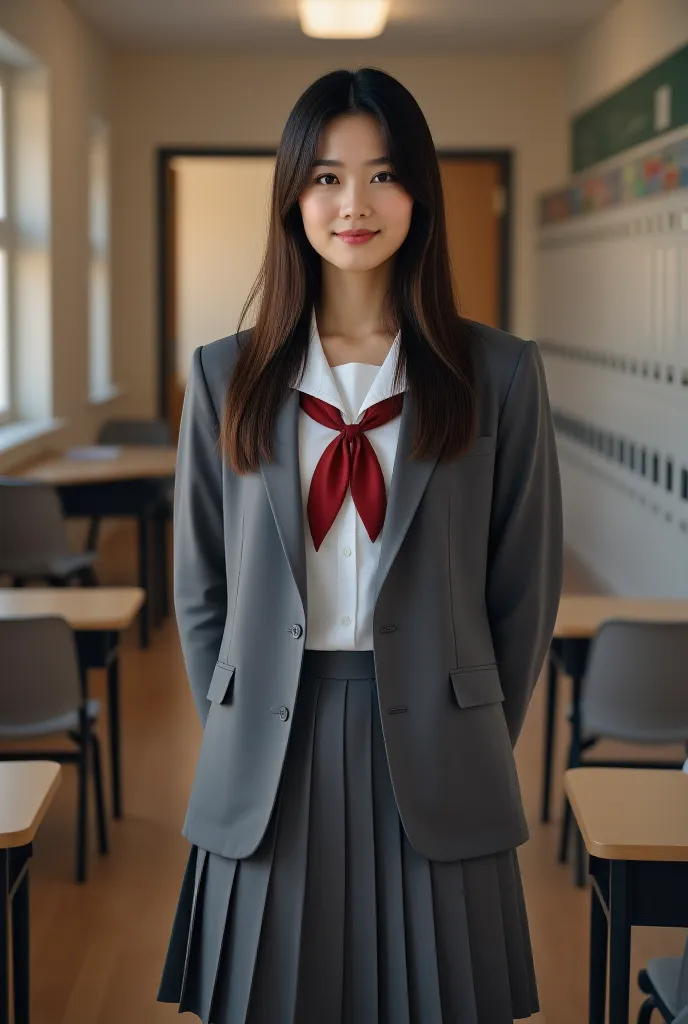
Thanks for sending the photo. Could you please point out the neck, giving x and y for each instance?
(352, 303)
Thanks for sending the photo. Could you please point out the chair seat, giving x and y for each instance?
(61, 723)
(61, 567)
(663, 972)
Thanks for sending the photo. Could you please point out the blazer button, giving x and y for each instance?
(296, 631)
(388, 629)
(282, 711)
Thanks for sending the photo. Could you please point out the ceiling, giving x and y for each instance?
(414, 26)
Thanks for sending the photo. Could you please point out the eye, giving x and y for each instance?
(318, 180)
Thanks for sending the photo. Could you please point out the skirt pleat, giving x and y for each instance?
(336, 918)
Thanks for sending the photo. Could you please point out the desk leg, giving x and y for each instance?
(552, 681)
(20, 948)
(598, 960)
(144, 582)
(619, 943)
(114, 724)
(4, 938)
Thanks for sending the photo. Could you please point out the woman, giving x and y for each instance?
(368, 558)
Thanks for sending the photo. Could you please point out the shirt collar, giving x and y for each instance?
(318, 379)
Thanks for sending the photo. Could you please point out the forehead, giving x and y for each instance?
(352, 134)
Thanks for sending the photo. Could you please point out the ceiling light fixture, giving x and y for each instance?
(343, 19)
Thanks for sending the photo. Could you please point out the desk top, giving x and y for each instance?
(581, 615)
(631, 813)
(85, 608)
(26, 791)
(134, 462)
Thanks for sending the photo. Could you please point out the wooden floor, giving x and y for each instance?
(97, 950)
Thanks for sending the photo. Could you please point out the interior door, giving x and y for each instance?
(475, 204)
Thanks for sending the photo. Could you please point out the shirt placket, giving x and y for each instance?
(346, 559)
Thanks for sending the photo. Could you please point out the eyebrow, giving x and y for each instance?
(339, 163)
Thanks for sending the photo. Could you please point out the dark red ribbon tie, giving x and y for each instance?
(348, 460)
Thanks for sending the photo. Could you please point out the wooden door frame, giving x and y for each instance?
(164, 154)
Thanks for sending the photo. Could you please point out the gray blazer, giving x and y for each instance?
(468, 586)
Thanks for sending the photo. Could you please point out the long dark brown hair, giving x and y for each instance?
(435, 343)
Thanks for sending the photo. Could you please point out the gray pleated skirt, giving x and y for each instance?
(336, 918)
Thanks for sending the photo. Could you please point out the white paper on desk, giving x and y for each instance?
(95, 452)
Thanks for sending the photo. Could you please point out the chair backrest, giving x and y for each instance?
(40, 670)
(636, 682)
(33, 524)
(145, 432)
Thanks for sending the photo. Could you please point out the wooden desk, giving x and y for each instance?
(581, 615)
(97, 615)
(128, 485)
(634, 823)
(88, 609)
(578, 619)
(135, 462)
(26, 790)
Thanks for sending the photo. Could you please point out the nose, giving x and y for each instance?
(354, 203)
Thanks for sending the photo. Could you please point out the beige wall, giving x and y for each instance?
(79, 68)
(633, 36)
(509, 101)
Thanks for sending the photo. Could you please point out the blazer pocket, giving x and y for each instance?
(475, 686)
(220, 684)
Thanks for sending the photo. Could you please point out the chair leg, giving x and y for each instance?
(92, 539)
(645, 1012)
(564, 832)
(164, 596)
(581, 860)
(100, 800)
(82, 814)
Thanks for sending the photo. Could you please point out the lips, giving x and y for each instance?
(356, 237)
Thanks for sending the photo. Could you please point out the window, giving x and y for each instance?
(100, 369)
(6, 368)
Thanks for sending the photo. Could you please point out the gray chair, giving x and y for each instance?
(33, 538)
(143, 432)
(666, 980)
(41, 694)
(635, 689)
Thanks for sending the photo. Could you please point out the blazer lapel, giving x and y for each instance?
(408, 482)
(282, 481)
(283, 484)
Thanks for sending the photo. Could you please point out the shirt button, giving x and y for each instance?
(347, 551)
(346, 620)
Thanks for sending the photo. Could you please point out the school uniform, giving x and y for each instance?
(362, 634)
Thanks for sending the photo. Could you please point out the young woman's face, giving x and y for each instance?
(353, 188)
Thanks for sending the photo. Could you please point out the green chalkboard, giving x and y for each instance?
(628, 117)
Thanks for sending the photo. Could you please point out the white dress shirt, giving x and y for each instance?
(341, 573)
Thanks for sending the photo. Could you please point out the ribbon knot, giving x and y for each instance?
(338, 468)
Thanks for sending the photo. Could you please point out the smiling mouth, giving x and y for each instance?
(353, 238)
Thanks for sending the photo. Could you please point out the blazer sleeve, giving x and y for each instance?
(200, 588)
(525, 550)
